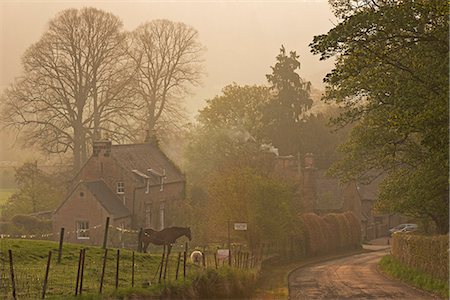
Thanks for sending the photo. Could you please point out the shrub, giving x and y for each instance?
(32, 225)
(331, 232)
(425, 253)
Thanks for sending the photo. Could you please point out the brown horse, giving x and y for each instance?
(165, 237)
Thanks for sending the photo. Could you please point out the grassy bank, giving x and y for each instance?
(419, 279)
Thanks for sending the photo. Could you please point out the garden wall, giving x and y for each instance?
(425, 253)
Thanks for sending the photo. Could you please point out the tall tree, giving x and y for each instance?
(37, 191)
(291, 99)
(73, 86)
(239, 107)
(391, 75)
(168, 59)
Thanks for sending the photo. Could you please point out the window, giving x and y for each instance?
(120, 188)
(83, 230)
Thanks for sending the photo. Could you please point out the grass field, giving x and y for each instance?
(423, 281)
(30, 258)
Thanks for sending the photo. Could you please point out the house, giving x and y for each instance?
(135, 185)
(318, 192)
(321, 194)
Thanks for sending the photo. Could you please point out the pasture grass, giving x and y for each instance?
(424, 281)
(30, 258)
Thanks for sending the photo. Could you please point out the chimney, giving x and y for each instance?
(101, 148)
(309, 161)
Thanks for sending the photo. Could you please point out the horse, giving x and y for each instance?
(165, 237)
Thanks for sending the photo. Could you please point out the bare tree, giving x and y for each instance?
(76, 77)
(168, 62)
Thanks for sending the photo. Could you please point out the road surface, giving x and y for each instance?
(355, 277)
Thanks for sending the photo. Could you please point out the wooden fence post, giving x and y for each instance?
(169, 248)
(215, 259)
(184, 263)
(61, 240)
(105, 237)
(78, 272)
(44, 287)
(132, 270)
(204, 259)
(11, 267)
(82, 270)
(117, 268)
(103, 270)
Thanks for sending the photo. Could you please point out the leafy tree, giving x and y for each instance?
(283, 115)
(391, 75)
(244, 194)
(168, 60)
(73, 86)
(239, 107)
(319, 138)
(37, 191)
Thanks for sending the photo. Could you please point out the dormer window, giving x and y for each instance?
(120, 187)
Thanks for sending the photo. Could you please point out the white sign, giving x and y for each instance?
(222, 253)
(240, 226)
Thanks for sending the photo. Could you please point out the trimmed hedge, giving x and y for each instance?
(428, 254)
(331, 232)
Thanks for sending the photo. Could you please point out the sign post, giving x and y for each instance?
(229, 245)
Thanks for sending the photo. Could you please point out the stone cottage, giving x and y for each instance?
(135, 185)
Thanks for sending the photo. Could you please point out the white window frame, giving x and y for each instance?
(82, 230)
(120, 187)
(162, 209)
(148, 216)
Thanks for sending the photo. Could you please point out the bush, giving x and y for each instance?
(331, 232)
(425, 253)
(31, 225)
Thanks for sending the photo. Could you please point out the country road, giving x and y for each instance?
(355, 277)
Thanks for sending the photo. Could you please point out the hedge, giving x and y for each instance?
(428, 254)
(331, 232)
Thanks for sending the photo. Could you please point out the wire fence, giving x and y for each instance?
(93, 270)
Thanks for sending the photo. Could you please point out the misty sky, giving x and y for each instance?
(242, 37)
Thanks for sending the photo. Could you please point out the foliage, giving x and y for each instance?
(422, 280)
(425, 253)
(239, 107)
(290, 99)
(32, 224)
(391, 76)
(245, 195)
(320, 139)
(36, 192)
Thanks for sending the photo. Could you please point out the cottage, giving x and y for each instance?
(135, 185)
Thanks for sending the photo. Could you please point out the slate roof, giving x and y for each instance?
(107, 199)
(146, 156)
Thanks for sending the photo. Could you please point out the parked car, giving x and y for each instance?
(403, 228)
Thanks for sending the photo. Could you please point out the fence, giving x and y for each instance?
(30, 270)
